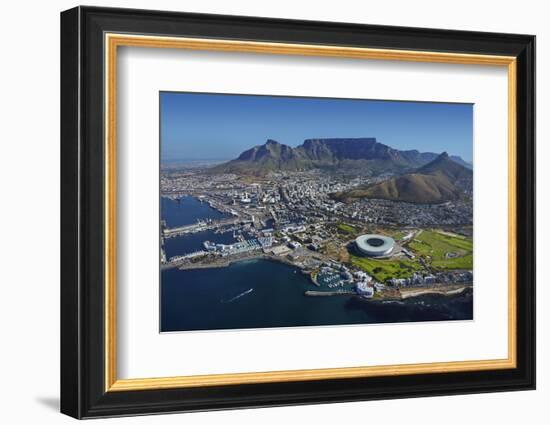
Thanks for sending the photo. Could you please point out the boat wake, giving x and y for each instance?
(236, 297)
(393, 302)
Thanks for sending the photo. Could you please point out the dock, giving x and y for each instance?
(201, 227)
(328, 293)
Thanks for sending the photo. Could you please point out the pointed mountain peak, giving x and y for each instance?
(272, 142)
(444, 164)
(442, 160)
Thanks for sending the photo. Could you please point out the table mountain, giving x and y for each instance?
(358, 154)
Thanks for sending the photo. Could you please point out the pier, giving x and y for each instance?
(329, 293)
(202, 226)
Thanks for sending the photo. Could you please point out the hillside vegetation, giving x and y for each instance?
(439, 181)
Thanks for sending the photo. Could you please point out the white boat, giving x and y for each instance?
(242, 294)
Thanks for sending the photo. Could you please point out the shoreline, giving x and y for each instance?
(229, 262)
(397, 294)
(329, 293)
(409, 293)
(452, 289)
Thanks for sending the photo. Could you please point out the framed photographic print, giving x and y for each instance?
(261, 212)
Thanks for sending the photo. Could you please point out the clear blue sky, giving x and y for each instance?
(197, 126)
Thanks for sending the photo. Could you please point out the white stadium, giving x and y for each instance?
(375, 245)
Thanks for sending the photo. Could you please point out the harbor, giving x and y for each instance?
(234, 272)
(197, 299)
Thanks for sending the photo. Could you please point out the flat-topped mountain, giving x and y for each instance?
(439, 181)
(358, 154)
(342, 149)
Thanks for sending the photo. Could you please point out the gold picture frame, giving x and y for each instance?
(114, 41)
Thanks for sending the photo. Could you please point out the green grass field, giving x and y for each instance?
(436, 245)
(396, 234)
(346, 228)
(429, 244)
(465, 263)
(382, 269)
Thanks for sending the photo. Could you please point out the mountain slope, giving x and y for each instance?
(364, 155)
(447, 167)
(438, 181)
(262, 159)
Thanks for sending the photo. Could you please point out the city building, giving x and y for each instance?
(364, 289)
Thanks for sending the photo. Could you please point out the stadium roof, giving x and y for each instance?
(375, 245)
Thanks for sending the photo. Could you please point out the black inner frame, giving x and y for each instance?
(82, 207)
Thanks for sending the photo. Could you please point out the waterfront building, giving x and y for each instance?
(295, 245)
(280, 250)
(364, 289)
